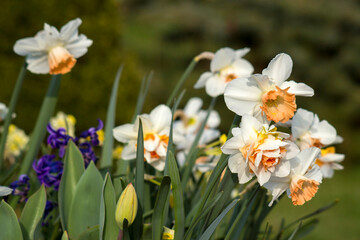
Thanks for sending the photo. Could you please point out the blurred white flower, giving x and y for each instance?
(4, 191)
(16, 141)
(65, 121)
(258, 149)
(156, 128)
(51, 51)
(329, 161)
(226, 65)
(3, 111)
(267, 94)
(303, 181)
(308, 131)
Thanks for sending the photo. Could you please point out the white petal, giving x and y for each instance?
(245, 176)
(338, 140)
(158, 164)
(243, 68)
(291, 150)
(299, 89)
(213, 120)
(70, 29)
(306, 158)
(301, 122)
(258, 159)
(124, 133)
(241, 52)
(150, 145)
(249, 126)
(242, 95)
(276, 187)
(232, 145)
(193, 106)
(327, 171)
(215, 86)
(282, 169)
(27, 46)
(314, 174)
(181, 157)
(129, 151)
(333, 157)
(222, 58)
(202, 80)
(78, 47)
(38, 64)
(160, 117)
(236, 163)
(4, 191)
(209, 135)
(279, 69)
(263, 176)
(325, 132)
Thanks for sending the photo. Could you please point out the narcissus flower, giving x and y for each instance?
(127, 206)
(268, 94)
(329, 161)
(226, 66)
(303, 181)
(308, 131)
(156, 128)
(52, 51)
(65, 121)
(258, 149)
(16, 141)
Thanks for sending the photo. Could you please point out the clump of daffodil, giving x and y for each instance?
(127, 206)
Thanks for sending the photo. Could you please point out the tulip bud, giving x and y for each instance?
(127, 206)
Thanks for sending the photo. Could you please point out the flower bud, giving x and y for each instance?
(127, 206)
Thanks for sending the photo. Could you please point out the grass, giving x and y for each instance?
(340, 222)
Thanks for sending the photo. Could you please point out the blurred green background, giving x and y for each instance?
(322, 37)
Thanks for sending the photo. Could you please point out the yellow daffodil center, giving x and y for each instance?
(278, 105)
(60, 60)
(302, 189)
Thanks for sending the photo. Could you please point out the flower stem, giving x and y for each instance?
(12, 105)
(39, 132)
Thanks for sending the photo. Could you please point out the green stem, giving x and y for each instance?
(39, 132)
(12, 105)
(182, 80)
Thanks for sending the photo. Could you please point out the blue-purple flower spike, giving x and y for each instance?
(58, 139)
(48, 171)
(92, 134)
(21, 187)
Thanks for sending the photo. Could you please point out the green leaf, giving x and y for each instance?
(32, 213)
(295, 231)
(159, 208)
(85, 205)
(119, 186)
(39, 132)
(106, 155)
(139, 183)
(108, 227)
(178, 198)
(65, 236)
(14, 97)
(145, 85)
(10, 228)
(210, 230)
(73, 169)
(90, 234)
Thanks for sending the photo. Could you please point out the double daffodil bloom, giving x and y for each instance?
(268, 94)
(257, 148)
(303, 181)
(52, 51)
(226, 65)
(156, 128)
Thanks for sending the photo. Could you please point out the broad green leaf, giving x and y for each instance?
(108, 228)
(139, 183)
(73, 169)
(145, 85)
(10, 228)
(65, 236)
(85, 206)
(210, 230)
(9, 116)
(32, 213)
(178, 198)
(39, 132)
(119, 186)
(90, 234)
(159, 208)
(106, 155)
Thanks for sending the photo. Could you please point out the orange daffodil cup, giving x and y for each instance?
(156, 128)
(52, 51)
(268, 94)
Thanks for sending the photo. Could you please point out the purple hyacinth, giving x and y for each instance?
(87, 152)
(58, 139)
(92, 134)
(48, 208)
(48, 171)
(21, 187)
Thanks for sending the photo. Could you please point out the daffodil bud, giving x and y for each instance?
(127, 206)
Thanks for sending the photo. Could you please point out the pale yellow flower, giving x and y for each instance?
(16, 141)
(66, 121)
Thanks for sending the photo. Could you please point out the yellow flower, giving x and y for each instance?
(116, 154)
(16, 141)
(168, 233)
(127, 206)
(101, 137)
(66, 121)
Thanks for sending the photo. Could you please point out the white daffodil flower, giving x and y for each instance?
(4, 191)
(65, 121)
(156, 128)
(329, 161)
(258, 149)
(308, 131)
(267, 94)
(226, 65)
(303, 181)
(3, 111)
(189, 124)
(51, 51)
